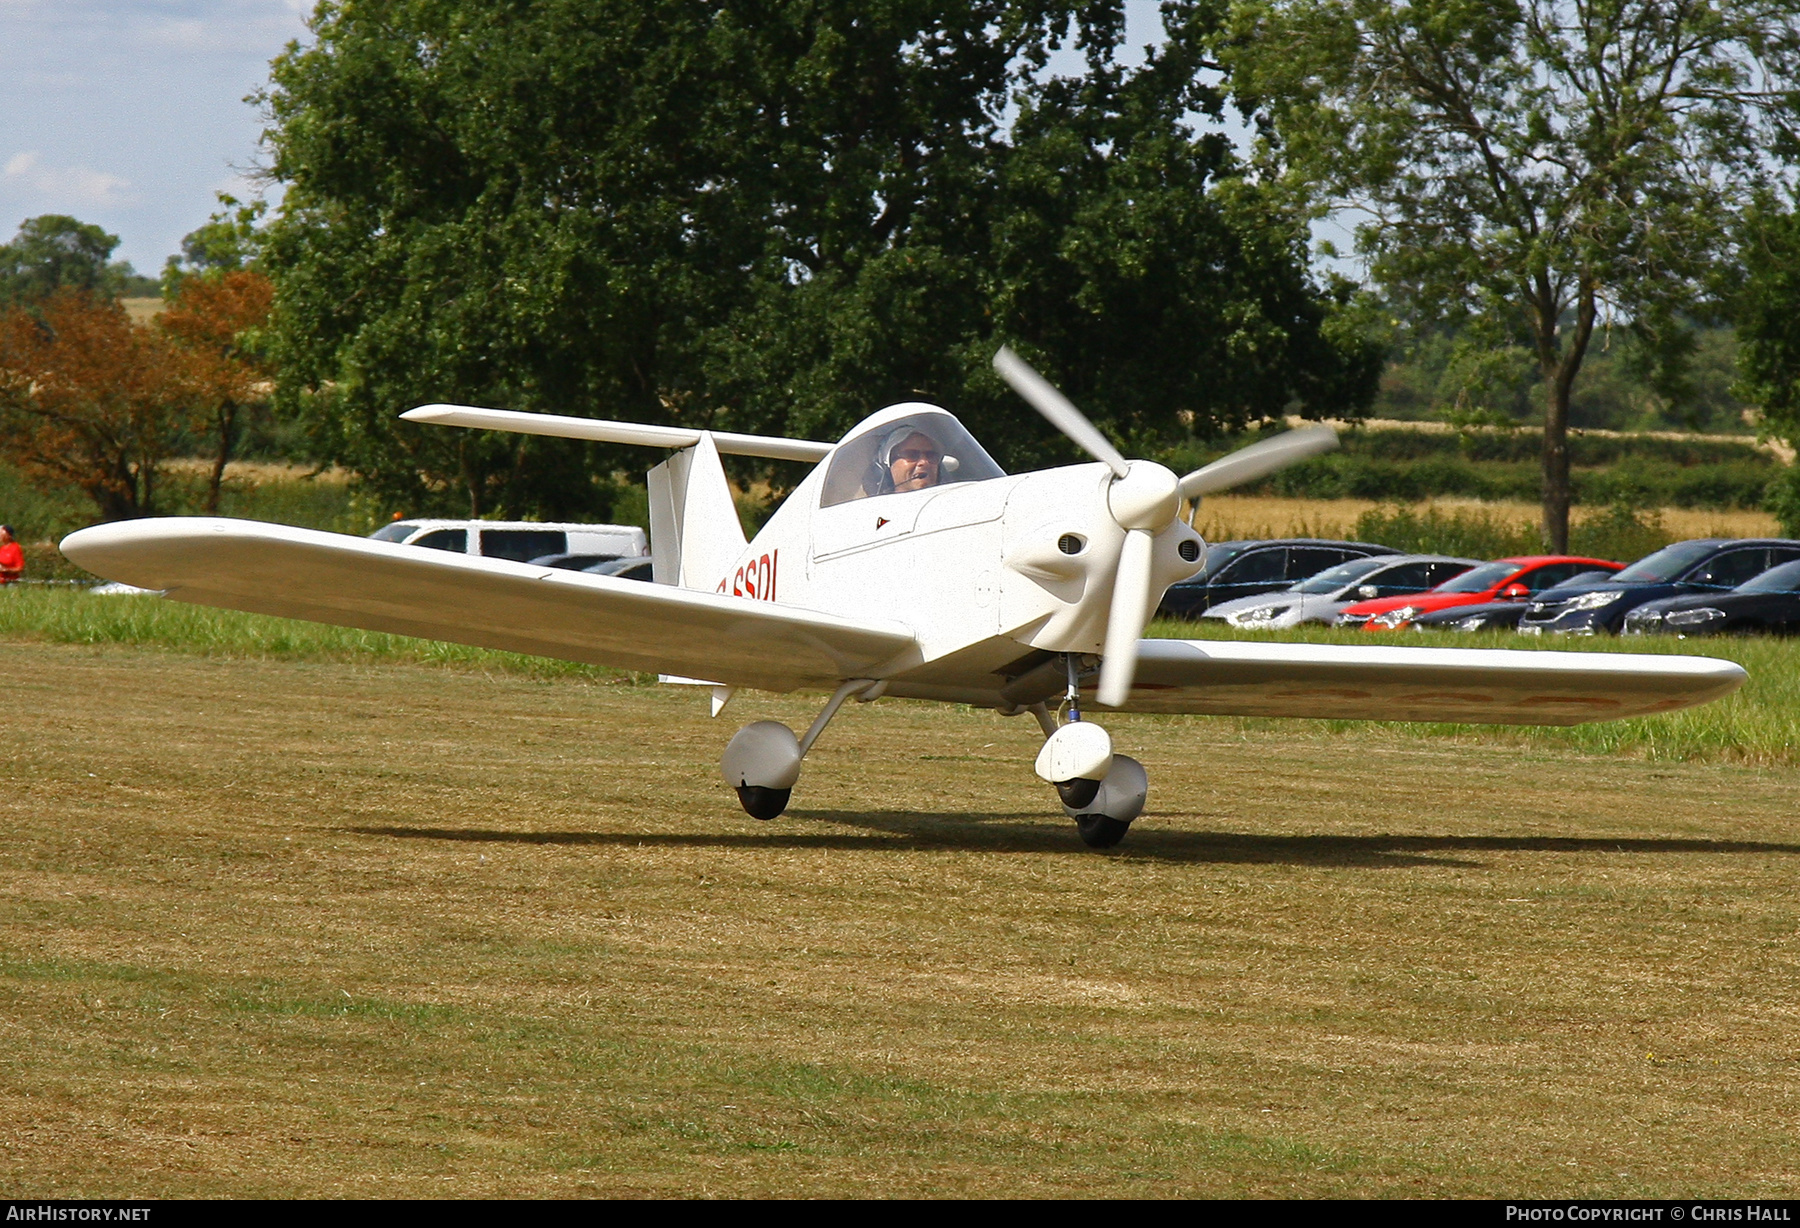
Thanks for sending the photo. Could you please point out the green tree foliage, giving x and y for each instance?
(771, 216)
(1768, 319)
(56, 252)
(1435, 375)
(1531, 168)
(230, 241)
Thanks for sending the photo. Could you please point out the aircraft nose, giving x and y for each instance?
(1147, 497)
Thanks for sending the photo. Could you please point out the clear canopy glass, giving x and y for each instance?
(864, 465)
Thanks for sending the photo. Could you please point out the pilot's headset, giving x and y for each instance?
(880, 478)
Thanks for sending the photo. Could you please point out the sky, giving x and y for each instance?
(130, 113)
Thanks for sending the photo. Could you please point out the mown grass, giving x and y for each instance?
(1759, 723)
(298, 928)
(75, 615)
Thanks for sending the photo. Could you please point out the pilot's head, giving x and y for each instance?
(913, 460)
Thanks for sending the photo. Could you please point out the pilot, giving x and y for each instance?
(909, 459)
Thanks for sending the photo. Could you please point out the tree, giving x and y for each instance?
(90, 399)
(769, 216)
(56, 252)
(230, 240)
(1533, 167)
(217, 324)
(1102, 236)
(1768, 321)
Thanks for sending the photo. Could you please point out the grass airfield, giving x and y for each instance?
(338, 927)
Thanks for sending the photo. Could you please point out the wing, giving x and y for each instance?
(1481, 686)
(491, 603)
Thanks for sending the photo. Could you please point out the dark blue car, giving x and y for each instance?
(1706, 565)
(1768, 604)
(1249, 568)
(1492, 615)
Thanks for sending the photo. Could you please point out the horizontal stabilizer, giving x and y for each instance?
(616, 432)
(490, 603)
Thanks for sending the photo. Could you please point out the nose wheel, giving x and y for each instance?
(1098, 831)
(1101, 791)
(1103, 821)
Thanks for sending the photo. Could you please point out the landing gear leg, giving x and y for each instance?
(762, 760)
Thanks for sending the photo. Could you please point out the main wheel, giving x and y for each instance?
(763, 803)
(1099, 831)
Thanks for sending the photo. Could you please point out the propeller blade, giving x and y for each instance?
(1258, 460)
(1057, 409)
(1125, 623)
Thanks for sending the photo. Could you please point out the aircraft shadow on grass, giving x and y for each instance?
(1028, 833)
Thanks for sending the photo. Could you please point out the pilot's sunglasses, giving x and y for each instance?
(913, 456)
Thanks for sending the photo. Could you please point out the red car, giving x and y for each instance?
(1502, 580)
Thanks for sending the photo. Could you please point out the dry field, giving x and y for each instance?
(1234, 517)
(317, 928)
(144, 309)
(260, 473)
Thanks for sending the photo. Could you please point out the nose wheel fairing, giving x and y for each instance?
(1101, 791)
(1120, 797)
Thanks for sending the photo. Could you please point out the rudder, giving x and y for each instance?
(695, 534)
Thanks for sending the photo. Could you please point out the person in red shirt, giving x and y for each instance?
(12, 558)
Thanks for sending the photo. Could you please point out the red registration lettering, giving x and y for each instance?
(756, 579)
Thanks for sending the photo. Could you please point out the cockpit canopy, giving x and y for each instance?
(862, 466)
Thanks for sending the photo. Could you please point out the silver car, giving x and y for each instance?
(1323, 597)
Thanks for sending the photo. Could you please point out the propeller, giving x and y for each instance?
(1144, 498)
(1258, 460)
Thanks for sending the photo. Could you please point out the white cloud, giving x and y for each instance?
(186, 35)
(73, 185)
(212, 28)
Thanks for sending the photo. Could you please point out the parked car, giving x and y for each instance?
(624, 569)
(1512, 579)
(1321, 598)
(518, 540)
(573, 562)
(1430, 570)
(1491, 615)
(1246, 568)
(1704, 565)
(1766, 603)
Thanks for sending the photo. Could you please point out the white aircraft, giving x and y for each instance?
(906, 564)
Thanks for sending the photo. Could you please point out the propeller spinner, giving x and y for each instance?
(1144, 498)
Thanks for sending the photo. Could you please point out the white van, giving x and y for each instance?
(522, 541)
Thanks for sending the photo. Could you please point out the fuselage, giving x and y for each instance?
(989, 571)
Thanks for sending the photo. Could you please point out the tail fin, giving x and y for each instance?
(695, 535)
